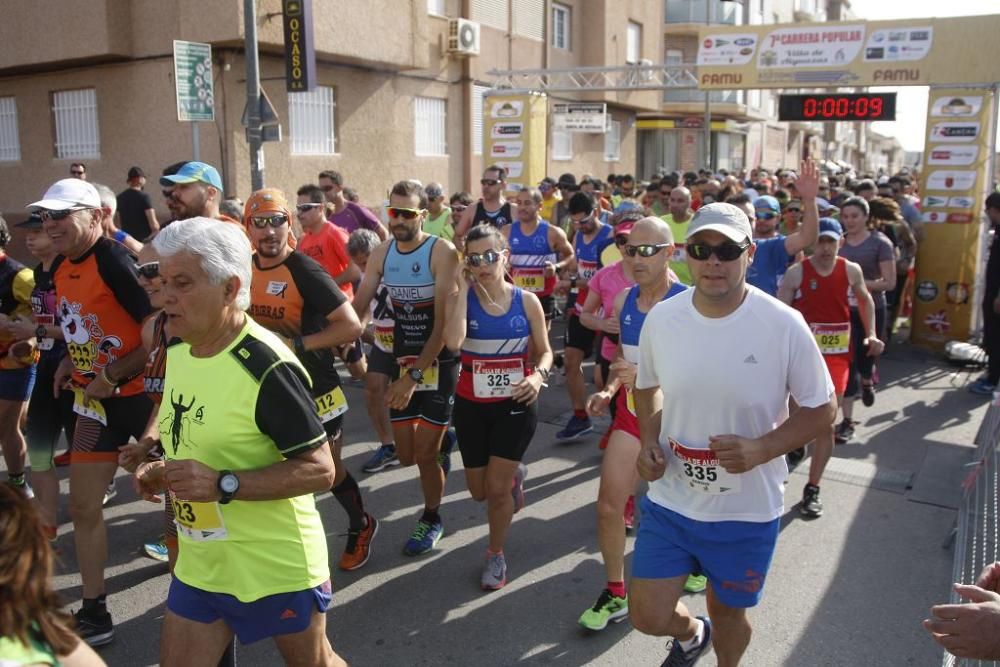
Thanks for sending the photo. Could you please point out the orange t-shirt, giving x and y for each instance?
(328, 247)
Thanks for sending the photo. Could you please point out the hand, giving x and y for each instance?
(21, 329)
(149, 480)
(968, 630)
(549, 270)
(597, 404)
(625, 372)
(611, 325)
(97, 389)
(526, 391)
(132, 455)
(399, 393)
(736, 454)
(874, 346)
(22, 351)
(651, 463)
(990, 578)
(807, 183)
(192, 480)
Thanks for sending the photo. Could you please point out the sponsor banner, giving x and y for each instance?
(955, 132)
(954, 218)
(514, 136)
(962, 202)
(915, 52)
(507, 130)
(581, 117)
(956, 107)
(959, 156)
(514, 169)
(507, 109)
(934, 201)
(951, 180)
(506, 149)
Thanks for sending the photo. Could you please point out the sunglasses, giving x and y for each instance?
(488, 257)
(302, 208)
(396, 212)
(77, 173)
(726, 252)
(766, 215)
(457, 208)
(583, 221)
(60, 215)
(275, 221)
(489, 181)
(149, 270)
(645, 250)
(793, 210)
(621, 240)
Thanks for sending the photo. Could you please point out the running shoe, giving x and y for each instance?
(575, 429)
(21, 484)
(424, 538)
(678, 657)
(868, 395)
(608, 607)
(384, 457)
(359, 545)
(982, 387)
(447, 446)
(811, 505)
(110, 493)
(795, 456)
(62, 459)
(494, 572)
(844, 431)
(95, 628)
(517, 488)
(696, 583)
(629, 514)
(157, 550)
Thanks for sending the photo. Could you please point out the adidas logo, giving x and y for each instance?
(750, 360)
(287, 614)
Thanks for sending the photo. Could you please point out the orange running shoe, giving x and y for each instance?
(359, 545)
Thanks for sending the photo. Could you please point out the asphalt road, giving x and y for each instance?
(847, 589)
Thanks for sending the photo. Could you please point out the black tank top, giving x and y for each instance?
(498, 218)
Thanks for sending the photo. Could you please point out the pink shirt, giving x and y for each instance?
(609, 282)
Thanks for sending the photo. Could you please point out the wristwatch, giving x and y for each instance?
(544, 372)
(41, 331)
(228, 484)
(416, 375)
(299, 345)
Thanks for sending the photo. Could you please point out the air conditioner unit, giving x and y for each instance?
(463, 37)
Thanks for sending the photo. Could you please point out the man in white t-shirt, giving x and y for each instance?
(714, 429)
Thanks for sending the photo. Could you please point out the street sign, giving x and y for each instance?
(581, 117)
(268, 115)
(193, 81)
(300, 53)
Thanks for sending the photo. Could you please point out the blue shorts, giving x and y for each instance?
(16, 383)
(280, 614)
(734, 555)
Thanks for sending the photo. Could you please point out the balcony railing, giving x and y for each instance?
(693, 11)
(716, 96)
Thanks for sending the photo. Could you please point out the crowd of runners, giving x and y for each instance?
(202, 354)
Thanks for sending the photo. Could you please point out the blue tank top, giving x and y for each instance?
(408, 277)
(588, 258)
(528, 256)
(495, 351)
(631, 320)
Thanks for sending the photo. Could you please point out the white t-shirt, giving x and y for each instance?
(729, 375)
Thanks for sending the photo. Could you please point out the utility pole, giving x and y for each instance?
(254, 132)
(708, 101)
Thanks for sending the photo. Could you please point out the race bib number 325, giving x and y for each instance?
(496, 378)
(699, 469)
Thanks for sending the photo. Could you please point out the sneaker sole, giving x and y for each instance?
(810, 515)
(368, 557)
(155, 555)
(406, 552)
(380, 468)
(497, 587)
(616, 617)
(575, 436)
(100, 639)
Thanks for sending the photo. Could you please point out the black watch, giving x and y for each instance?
(41, 331)
(416, 375)
(228, 485)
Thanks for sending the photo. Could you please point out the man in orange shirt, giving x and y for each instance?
(323, 241)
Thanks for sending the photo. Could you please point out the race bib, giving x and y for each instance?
(200, 522)
(699, 469)
(384, 337)
(587, 269)
(496, 378)
(832, 338)
(45, 320)
(331, 405)
(530, 280)
(430, 382)
(93, 410)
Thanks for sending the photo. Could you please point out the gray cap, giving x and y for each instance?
(726, 219)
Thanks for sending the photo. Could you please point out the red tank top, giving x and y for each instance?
(822, 300)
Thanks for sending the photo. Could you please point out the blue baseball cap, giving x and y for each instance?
(767, 203)
(830, 228)
(194, 172)
(824, 205)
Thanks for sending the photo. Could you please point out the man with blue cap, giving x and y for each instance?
(197, 191)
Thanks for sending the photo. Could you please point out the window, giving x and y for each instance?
(613, 141)
(633, 43)
(492, 13)
(478, 99)
(311, 122)
(429, 124)
(75, 114)
(436, 7)
(529, 18)
(562, 145)
(753, 98)
(560, 26)
(10, 143)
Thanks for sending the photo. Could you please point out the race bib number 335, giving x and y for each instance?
(699, 469)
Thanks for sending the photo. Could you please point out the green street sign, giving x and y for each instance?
(193, 81)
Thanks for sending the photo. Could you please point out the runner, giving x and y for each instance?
(438, 214)
(381, 364)
(492, 209)
(679, 217)
(538, 251)
(195, 190)
(579, 340)
(873, 252)
(235, 571)
(102, 307)
(650, 268)
(706, 406)
(818, 288)
(420, 272)
(496, 409)
(295, 298)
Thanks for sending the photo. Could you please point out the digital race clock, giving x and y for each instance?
(837, 106)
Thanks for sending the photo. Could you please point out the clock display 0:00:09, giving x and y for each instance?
(875, 106)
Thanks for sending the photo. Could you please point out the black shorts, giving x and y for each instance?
(548, 306)
(94, 442)
(433, 407)
(503, 429)
(579, 336)
(383, 363)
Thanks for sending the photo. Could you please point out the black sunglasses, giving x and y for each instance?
(149, 270)
(488, 257)
(302, 208)
(766, 215)
(61, 214)
(793, 210)
(645, 250)
(726, 252)
(274, 220)
(489, 181)
(621, 240)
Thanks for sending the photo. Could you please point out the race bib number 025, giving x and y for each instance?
(832, 338)
(699, 469)
(496, 378)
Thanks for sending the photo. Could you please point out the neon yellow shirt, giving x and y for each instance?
(548, 205)
(678, 263)
(441, 225)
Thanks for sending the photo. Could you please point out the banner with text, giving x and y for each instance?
(514, 136)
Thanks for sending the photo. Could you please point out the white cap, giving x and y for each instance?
(69, 193)
(726, 219)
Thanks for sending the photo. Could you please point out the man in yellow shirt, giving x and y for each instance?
(550, 197)
(679, 217)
